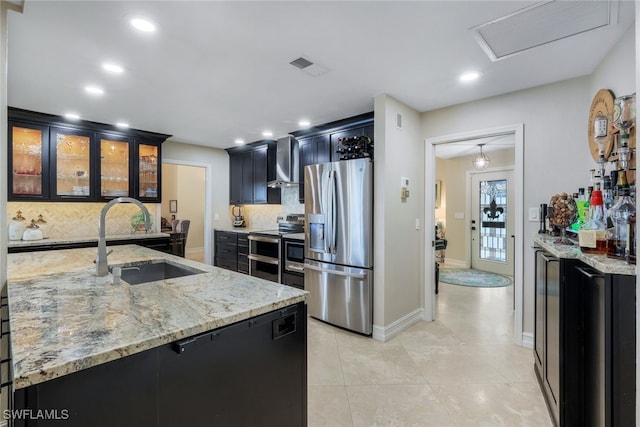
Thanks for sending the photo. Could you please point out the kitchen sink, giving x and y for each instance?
(151, 271)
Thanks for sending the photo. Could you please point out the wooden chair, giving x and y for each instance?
(179, 236)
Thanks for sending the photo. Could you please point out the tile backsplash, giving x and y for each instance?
(67, 219)
(79, 219)
(266, 216)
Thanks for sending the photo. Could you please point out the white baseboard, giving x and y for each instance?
(527, 340)
(456, 263)
(385, 333)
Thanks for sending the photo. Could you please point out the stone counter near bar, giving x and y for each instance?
(64, 319)
(599, 262)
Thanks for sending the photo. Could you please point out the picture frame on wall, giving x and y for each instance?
(173, 206)
(438, 197)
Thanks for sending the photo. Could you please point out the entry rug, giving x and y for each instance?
(475, 278)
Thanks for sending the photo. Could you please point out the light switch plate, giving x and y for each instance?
(534, 214)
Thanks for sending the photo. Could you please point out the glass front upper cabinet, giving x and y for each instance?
(148, 171)
(114, 167)
(72, 169)
(28, 161)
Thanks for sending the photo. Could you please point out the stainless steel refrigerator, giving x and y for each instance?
(339, 243)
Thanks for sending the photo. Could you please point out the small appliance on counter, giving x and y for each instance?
(16, 226)
(44, 227)
(32, 232)
(238, 219)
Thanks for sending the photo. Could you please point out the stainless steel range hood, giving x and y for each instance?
(287, 163)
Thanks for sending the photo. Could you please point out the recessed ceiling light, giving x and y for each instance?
(267, 133)
(304, 123)
(72, 116)
(143, 25)
(470, 76)
(114, 68)
(94, 90)
(239, 141)
(122, 125)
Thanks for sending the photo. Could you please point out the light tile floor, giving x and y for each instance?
(460, 370)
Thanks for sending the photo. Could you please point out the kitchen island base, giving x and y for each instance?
(250, 373)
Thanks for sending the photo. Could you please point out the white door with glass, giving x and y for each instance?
(492, 221)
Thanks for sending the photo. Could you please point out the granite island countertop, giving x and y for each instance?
(599, 262)
(82, 239)
(63, 318)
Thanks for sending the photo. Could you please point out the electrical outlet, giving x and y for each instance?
(216, 217)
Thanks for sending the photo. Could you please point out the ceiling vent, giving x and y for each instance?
(308, 67)
(540, 24)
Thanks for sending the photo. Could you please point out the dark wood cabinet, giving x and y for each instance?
(72, 154)
(114, 165)
(584, 343)
(160, 243)
(243, 253)
(260, 169)
(547, 328)
(226, 250)
(320, 143)
(239, 178)
(54, 159)
(147, 170)
(313, 150)
(249, 373)
(231, 251)
(251, 167)
(28, 161)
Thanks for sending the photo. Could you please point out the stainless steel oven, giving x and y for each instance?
(293, 262)
(264, 256)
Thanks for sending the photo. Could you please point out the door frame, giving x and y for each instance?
(430, 179)
(208, 209)
(469, 211)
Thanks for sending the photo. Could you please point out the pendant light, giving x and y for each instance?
(481, 161)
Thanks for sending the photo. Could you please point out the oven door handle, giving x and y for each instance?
(264, 239)
(296, 268)
(265, 259)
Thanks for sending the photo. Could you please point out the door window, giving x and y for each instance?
(493, 220)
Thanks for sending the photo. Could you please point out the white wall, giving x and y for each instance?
(399, 251)
(556, 153)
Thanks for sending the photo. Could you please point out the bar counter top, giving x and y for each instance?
(599, 262)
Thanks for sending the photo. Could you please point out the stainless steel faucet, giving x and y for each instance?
(102, 267)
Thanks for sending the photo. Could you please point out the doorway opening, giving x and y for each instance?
(457, 221)
(185, 189)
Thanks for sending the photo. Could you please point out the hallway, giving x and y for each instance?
(461, 370)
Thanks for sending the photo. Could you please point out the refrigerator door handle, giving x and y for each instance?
(330, 223)
(336, 272)
(334, 213)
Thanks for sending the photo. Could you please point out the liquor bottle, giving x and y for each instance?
(631, 239)
(582, 204)
(592, 236)
(619, 214)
